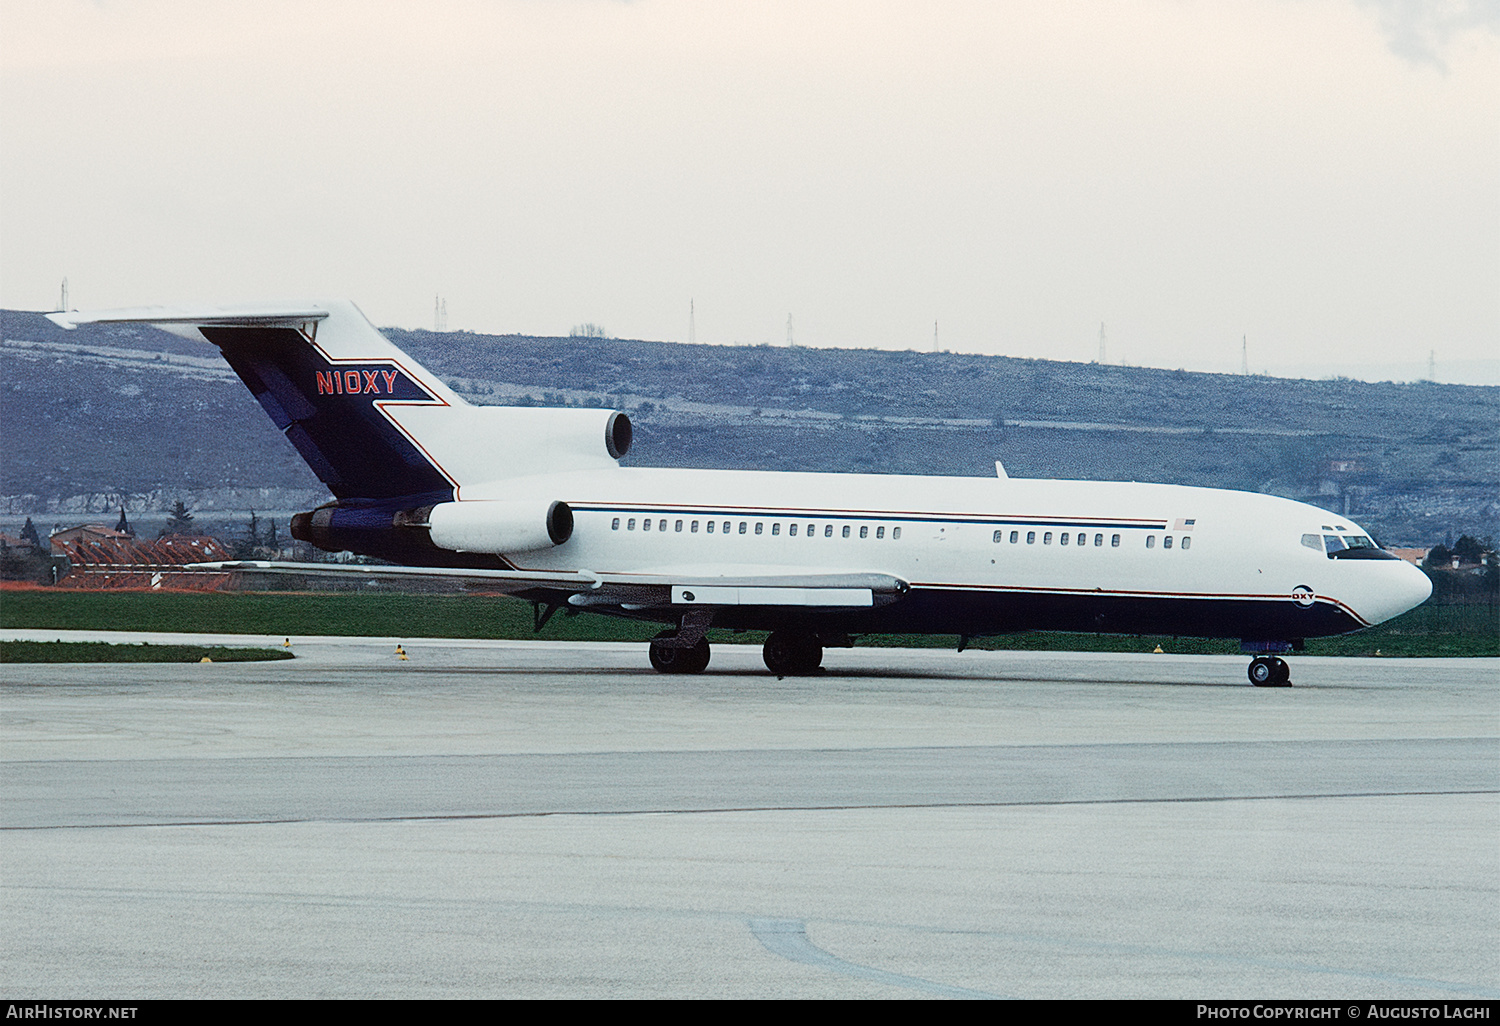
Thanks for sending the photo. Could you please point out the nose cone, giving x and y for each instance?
(1397, 587)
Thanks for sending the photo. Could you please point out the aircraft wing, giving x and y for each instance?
(584, 588)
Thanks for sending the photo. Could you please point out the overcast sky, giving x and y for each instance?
(1319, 176)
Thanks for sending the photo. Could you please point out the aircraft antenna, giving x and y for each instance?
(62, 303)
(692, 327)
(1101, 343)
(789, 341)
(1244, 354)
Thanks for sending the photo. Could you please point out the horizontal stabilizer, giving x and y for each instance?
(218, 316)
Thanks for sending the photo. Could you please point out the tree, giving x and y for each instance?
(180, 521)
(28, 533)
(273, 541)
(1469, 549)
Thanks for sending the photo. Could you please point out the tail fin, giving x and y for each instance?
(322, 373)
(371, 422)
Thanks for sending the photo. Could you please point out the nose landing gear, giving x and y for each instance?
(1270, 672)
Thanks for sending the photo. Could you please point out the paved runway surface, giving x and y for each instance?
(530, 819)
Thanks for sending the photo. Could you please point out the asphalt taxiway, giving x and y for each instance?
(523, 819)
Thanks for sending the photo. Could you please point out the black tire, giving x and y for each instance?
(792, 653)
(1282, 676)
(678, 660)
(1262, 672)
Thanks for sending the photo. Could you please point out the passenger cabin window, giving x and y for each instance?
(996, 539)
(864, 532)
(828, 531)
(1187, 543)
(895, 533)
(726, 527)
(679, 527)
(693, 529)
(631, 525)
(1047, 538)
(812, 529)
(710, 527)
(775, 529)
(1030, 537)
(1064, 539)
(1015, 536)
(1150, 541)
(661, 525)
(645, 525)
(1114, 541)
(759, 527)
(792, 530)
(879, 532)
(743, 525)
(614, 524)
(1166, 542)
(845, 531)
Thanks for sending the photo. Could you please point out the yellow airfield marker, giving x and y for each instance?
(205, 659)
(1158, 650)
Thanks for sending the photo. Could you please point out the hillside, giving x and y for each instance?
(103, 414)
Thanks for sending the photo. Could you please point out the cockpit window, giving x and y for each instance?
(1355, 546)
(1313, 541)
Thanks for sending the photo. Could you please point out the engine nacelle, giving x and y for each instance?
(480, 444)
(499, 526)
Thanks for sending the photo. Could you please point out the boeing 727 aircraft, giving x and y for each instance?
(532, 502)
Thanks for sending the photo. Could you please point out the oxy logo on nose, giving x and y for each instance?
(1303, 595)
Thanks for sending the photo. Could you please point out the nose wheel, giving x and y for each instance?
(1270, 672)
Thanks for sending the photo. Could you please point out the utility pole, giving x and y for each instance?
(62, 303)
(1101, 343)
(1244, 354)
(1432, 365)
(935, 348)
(692, 327)
(790, 342)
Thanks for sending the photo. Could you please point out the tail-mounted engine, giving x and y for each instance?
(488, 527)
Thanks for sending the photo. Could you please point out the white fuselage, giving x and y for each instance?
(976, 536)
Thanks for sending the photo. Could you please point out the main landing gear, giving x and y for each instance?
(793, 653)
(666, 658)
(683, 649)
(1270, 672)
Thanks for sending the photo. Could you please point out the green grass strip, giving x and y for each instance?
(104, 652)
(1429, 630)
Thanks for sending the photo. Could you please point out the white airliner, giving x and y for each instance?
(532, 502)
